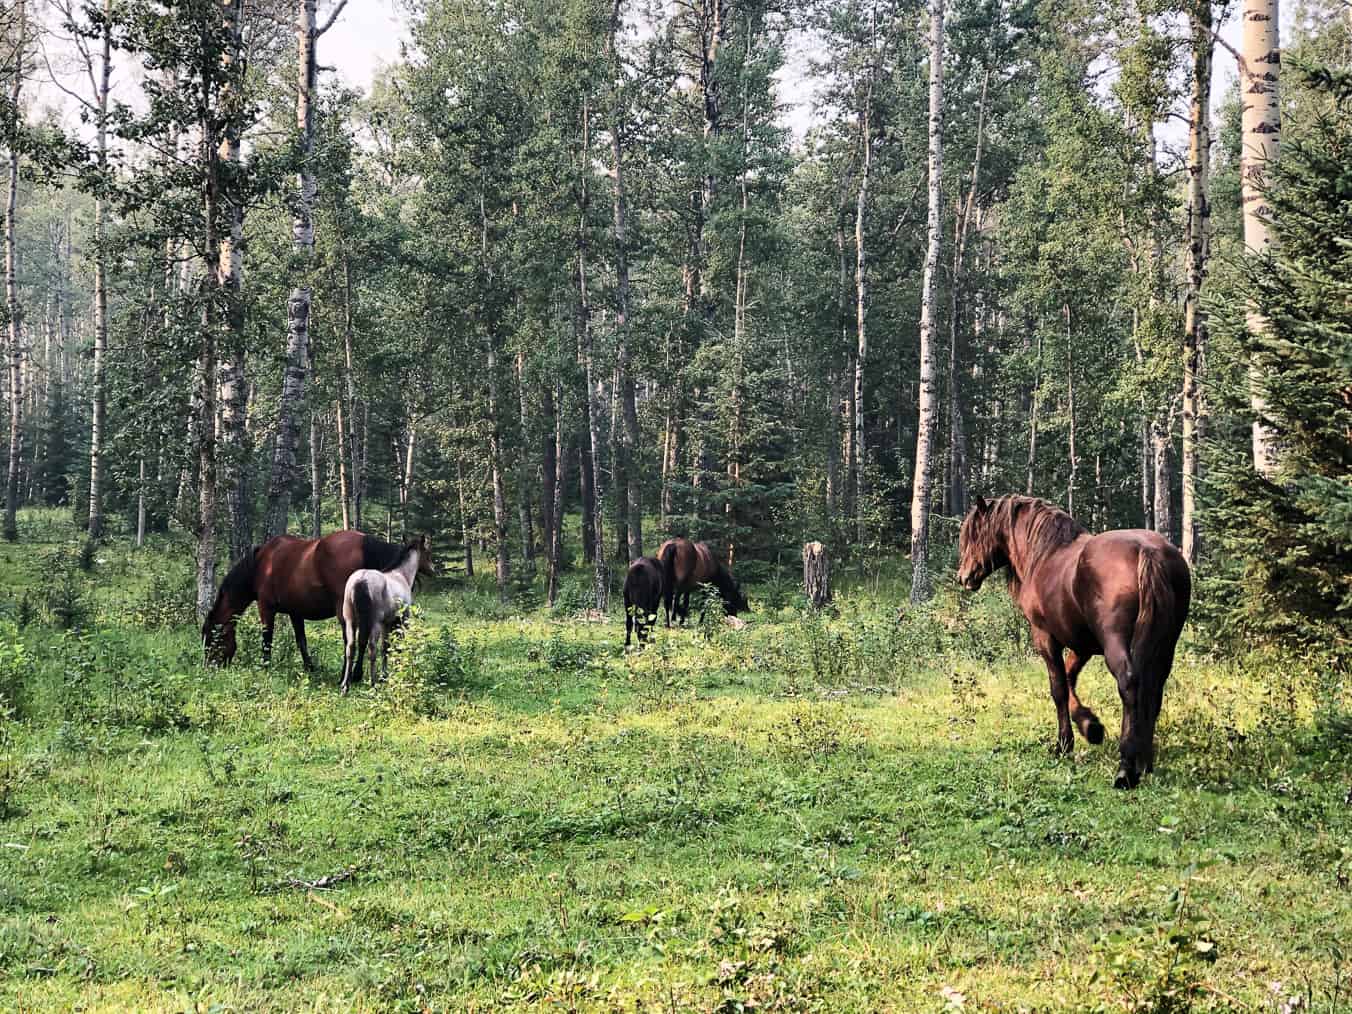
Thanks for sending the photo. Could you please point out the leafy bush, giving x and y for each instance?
(15, 665)
(67, 600)
(106, 681)
(168, 600)
(424, 664)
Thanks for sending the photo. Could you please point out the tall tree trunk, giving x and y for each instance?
(523, 471)
(629, 431)
(924, 458)
(1034, 402)
(547, 468)
(957, 438)
(316, 483)
(591, 375)
(233, 392)
(1073, 459)
(1199, 247)
(1259, 79)
(13, 310)
(342, 462)
(354, 451)
(556, 505)
(283, 475)
(466, 522)
(504, 563)
(98, 412)
(1162, 449)
(859, 463)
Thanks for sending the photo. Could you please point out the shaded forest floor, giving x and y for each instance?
(845, 813)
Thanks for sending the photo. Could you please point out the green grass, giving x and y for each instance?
(853, 814)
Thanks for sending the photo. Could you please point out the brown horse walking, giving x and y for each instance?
(303, 578)
(1122, 594)
(685, 565)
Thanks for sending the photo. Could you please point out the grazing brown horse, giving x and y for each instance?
(303, 578)
(686, 564)
(642, 596)
(1122, 594)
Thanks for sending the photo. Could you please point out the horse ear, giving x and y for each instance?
(981, 505)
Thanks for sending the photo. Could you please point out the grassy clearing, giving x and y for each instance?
(854, 813)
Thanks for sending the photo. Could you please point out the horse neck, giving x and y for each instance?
(406, 570)
(1023, 556)
(229, 606)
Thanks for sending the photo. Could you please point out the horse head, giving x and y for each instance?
(218, 633)
(425, 564)
(235, 594)
(734, 599)
(981, 545)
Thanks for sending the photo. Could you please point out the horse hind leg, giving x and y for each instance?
(1081, 715)
(1137, 696)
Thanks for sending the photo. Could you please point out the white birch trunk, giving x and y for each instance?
(1199, 246)
(13, 310)
(283, 474)
(99, 408)
(1259, 80)
(928, 409)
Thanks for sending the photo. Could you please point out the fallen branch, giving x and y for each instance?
(323, 883)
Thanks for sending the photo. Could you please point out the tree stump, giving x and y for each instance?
(816, 574)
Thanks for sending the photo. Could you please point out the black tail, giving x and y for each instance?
(667, 557)
(366, 621)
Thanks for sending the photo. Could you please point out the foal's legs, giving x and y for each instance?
(1085, 720)
(377, 637)
(349, 649)
(1050, 650)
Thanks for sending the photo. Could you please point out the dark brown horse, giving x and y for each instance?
(1122, 594)
(303, 578)
(642, 596)
(685, 565)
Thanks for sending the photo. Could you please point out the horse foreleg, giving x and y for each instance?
(1084, 718)
(268, 618)
(1060, 689)
(298, 626)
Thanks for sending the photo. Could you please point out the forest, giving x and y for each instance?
(568, 279)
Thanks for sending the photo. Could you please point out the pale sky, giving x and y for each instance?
(368, 34)
(365, 38)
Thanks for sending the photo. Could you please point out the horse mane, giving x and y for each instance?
(1041, 527)
(377, 554)
(239, 581)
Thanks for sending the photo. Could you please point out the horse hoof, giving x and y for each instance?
(1094, 732)
(1122, 781)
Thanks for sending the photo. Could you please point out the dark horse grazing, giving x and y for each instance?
(642, 596)
(303, 578)
(1123, 595)
(686, 564)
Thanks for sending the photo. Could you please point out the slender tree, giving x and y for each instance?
(1199, 243)
(13, 310)
(928, 409)
(283, 475)
(1259, 78)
